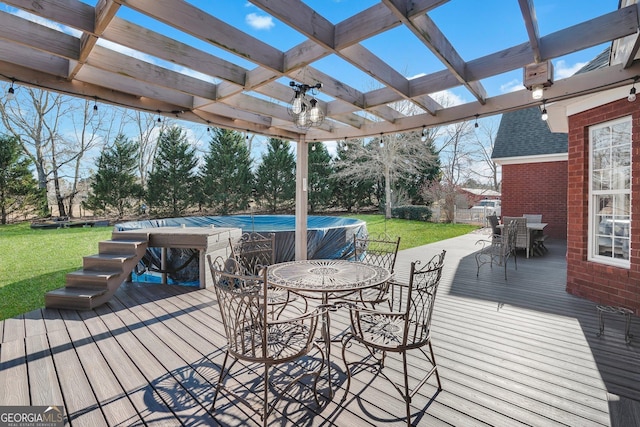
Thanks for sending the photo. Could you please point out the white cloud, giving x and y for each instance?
(259, 22)
(563, 70)
(447, 98)
(511, 86)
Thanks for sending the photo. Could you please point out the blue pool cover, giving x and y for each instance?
(328, 237)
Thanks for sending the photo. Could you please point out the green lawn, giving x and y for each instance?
(33, 262)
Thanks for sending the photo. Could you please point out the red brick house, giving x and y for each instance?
(534, 169)
(599, 179)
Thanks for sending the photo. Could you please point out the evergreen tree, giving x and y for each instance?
(276, 176)
(350, 191)
(173, 182)
(18, 187)
(227, 180)
(320, 188)
(426, 171)
(115, 184)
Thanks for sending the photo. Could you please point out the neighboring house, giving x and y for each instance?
(474, 195)
(534, 169)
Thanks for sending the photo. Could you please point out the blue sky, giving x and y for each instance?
(474, 27)
(482, 27)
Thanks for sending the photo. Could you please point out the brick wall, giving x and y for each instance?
(537, 188)
(600, 283)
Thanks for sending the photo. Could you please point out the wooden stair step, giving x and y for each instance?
(122, 247)
(106, 261)
(93, 279)
(73, 298)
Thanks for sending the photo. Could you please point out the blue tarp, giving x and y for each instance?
(328, 237)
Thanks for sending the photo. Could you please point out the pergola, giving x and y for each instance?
(205, 70)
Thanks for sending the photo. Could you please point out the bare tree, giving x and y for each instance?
(148, 129)
(386, 159)
(483, 141)
(92, 128)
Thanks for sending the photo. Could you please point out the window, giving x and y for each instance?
(610, 192)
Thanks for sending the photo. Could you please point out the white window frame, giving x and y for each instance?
(621, 214)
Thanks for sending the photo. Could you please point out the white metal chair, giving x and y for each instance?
(406, 327)
(254, 337)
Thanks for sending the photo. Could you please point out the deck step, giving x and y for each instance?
(101, 275)
(122, 247)
(112, 261)
(94, 279)
(74, 298)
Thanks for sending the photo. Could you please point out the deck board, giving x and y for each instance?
(514, 352)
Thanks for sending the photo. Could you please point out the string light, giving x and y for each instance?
(544, 115)
(632, 92)
(424, 133)
(95, 105)
(11, 92)
(476, 125)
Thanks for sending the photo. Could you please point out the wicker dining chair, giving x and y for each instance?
(253, 251)
(381, 251)
(254, 337)
(406, 327)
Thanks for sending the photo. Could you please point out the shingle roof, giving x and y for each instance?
(522, 133)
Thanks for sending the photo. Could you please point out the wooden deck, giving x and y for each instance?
(520, 352)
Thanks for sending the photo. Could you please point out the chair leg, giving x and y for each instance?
(345, 340)
(223, 374)
(433, 359)
(265, 401)
(407, 393)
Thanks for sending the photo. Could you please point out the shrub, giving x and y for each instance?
(417, 213)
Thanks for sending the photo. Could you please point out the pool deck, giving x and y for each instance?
(516, 352)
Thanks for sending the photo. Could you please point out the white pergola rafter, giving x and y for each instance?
(228, 93)
(231, 79)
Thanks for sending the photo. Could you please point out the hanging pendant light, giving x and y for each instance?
(305, 110)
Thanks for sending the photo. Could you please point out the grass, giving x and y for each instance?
(33, 262)
(412, 233)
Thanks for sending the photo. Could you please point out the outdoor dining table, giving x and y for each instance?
(532, 227)
(326, 279)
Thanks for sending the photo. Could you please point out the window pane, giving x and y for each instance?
(610, 163)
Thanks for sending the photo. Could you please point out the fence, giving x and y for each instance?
(472, 216)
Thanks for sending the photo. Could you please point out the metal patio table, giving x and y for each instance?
(326, 279)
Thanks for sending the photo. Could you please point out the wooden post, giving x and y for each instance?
(302, 172)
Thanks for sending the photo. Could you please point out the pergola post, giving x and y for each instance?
(302, 172)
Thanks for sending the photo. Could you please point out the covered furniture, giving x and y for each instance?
(404, 328)
(254, 337)
(498, 249)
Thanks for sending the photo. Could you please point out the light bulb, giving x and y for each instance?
(296, 105)
(632, 94)
(544, 116)
(301, 120)
(537, 92)
(11, 94)
(314, 112)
